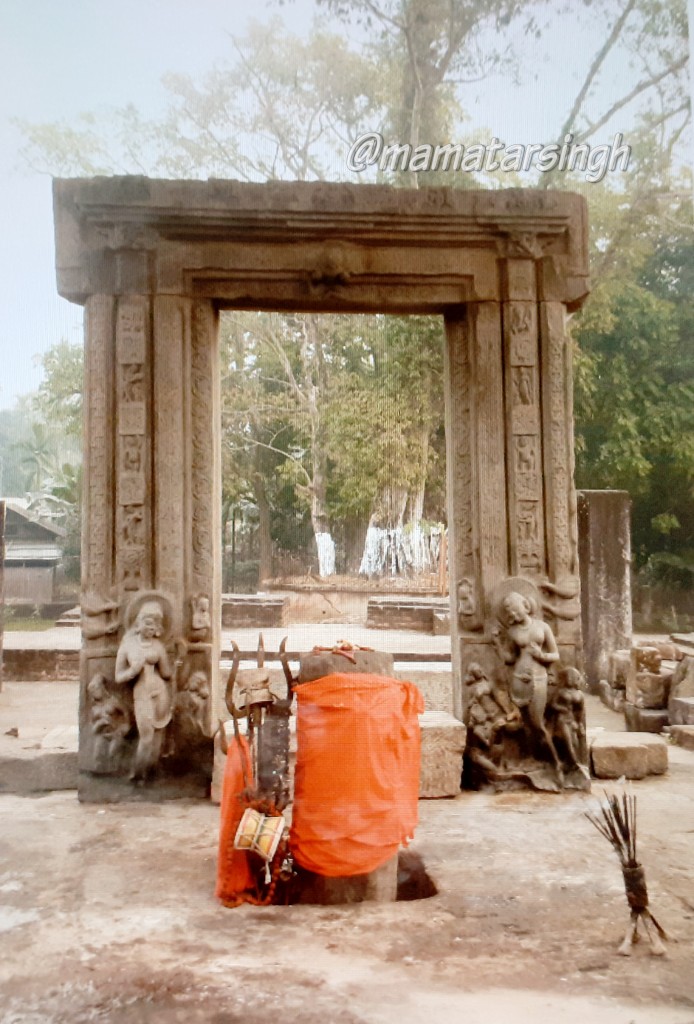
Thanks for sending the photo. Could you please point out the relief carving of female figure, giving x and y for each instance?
(143, 662)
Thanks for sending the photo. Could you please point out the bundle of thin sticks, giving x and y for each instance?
(617, 823)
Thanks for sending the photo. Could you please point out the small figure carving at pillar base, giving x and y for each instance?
(200, 620)
(143, 662)
(110, 722)
(526, 718)
(191, 705)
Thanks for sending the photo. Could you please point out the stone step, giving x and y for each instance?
(681, 710)
(49, 764)
(262, 610)
(71, 617)
(683, 736)
(632, 755)
(415, 613)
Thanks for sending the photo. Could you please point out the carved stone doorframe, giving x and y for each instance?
(154, 261)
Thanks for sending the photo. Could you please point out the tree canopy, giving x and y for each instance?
(289, 107)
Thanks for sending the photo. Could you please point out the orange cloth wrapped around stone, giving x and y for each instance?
(357, 772)
(234, 876)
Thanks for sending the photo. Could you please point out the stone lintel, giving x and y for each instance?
(364, 247)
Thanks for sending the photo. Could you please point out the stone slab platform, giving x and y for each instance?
(443, 746)
(415, 613)
(260, 610)
(632, 755)
(681, 710)
(40, 765)
(683, 736)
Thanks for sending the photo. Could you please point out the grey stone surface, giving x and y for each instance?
(604, 540)
(683, 678)
(648, 658)
(648, 689)
(443, 746)
(620, 668)
(441, 623)
(683, 736)
(632, 755)
(645, 719)
(681, 710)
(253, 610)
(612, 697)
(378, 886)
(316, 664)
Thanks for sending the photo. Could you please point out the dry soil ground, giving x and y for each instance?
(108, 914)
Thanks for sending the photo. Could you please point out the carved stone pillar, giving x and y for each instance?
(512, 504)
(151, 528)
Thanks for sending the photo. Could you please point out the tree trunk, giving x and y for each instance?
(264, 530)
(314, 382)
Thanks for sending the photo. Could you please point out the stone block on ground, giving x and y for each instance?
(404, 612)
(441, 623)
(645, 719)
(316, 664)
(41, 771)
(378, 886)
(443, 746)
(648, 658)
(621, 667)
(683, 678)
(648, 689)
(669, 651)
(72, 617)
(239, 610)
(681, 710)
(39, 664)
(62, 737)
(633, 755)
(683, 736)
(610, 696)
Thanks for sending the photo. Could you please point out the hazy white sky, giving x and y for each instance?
(63, 57)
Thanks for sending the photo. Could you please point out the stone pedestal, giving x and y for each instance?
(379, 886)
(604, 540)
(443, 746)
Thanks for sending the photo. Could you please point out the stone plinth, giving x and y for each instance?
(645, 719)
(683, 736)
(379, 886)
(649, 689)
(34, 664)
(604, 545)
(443, 746)
(633, 755)
(681, 710)
(405, 613)
(324, 663)
(262, 610)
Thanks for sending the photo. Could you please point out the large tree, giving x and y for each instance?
(286, 107)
